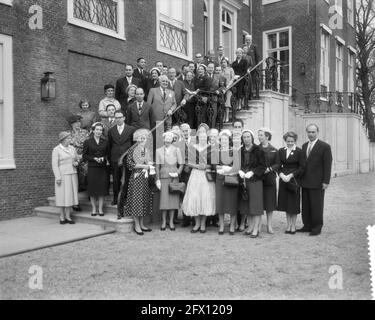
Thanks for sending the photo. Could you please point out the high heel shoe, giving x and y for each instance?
(221, 233)
(93, 214)
(63, 221)
(163, 228)
(146, 229)
(172, 228)
(138, 233)
(231, 233)
(194, 231)
(69, 221)
(253, 236)
(101, 214)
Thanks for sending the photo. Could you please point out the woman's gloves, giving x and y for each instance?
(173, 175)
(244, 175)
(285, 178)
(158, 184)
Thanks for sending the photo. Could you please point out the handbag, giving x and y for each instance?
(152, 183)
(177, 187)
(231, 181)
(292, 186)
(210, 175)
(243, 191)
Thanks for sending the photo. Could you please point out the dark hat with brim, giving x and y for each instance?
(109, 86)
(73, 118)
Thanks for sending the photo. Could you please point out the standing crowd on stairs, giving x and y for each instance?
(160, 137)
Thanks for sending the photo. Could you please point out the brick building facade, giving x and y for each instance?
(83, 57)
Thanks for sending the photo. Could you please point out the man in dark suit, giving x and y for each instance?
(123, 83)
(141, 73)
(315, 181)
(253, 60)
(178, 88)
(120, 138)
(140, 114)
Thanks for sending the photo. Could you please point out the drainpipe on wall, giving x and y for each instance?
(251, 16)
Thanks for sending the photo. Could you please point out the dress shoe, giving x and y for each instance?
(69, 221)
(138, 233)
(172, 228)
(231, 233)
(119, 217)
(203, 231)
(77, 208)
(293, 232)
(315, 233)
(303, 230)
(194, 230)
(146, 229)
(163, 228)
(221, 233)
(287, 232)
(101, 214)
(93, 214)
(114, 203)
(253, 236)
(63, 221)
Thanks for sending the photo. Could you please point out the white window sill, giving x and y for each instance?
(7, 2)
(95, 28)
(174, 53)
(324, 99)
(7, 164)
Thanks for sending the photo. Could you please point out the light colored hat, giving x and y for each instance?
(156, 69)
(226, 132)
(205, 126)
(265, 129)
(185, 125)
(63, 135)
(247, 130)
(168, 134)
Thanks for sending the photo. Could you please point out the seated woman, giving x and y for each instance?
(199, 200)
(292, 164)
(88, 117)
(139, 198)
(169, 165)
(253, 166)
(95, 152)
(64, 163)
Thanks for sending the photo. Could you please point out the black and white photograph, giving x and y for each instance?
(166, 151)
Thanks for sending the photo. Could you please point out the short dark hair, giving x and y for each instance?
(139, 59)
(238, 120)
(110, 105)
(268, 135)
(290, 134)
(84, 101)
(97, 124)
(120, 111)
(129, 65)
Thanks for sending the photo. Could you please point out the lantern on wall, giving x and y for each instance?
(302, 69)
(48, 87)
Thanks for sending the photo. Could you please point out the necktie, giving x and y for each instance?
(309, 149)
(164, 95)
(139, 108)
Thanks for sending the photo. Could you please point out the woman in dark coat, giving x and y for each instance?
(153, 81)
(253, 166)
(191, 100)
(240, 68)
(95, 152)
(292, 161)
(226, 196)
(269, 180)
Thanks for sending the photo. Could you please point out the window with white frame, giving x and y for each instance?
(103, 16)
(269, 1)
(351, 71)
(350, 4)
(228, 30)
(339, 67)
(174, 33)
(6, 103)
(324, 61)
(278, 44)
(338, 7)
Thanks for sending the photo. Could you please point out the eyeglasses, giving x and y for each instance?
(119, 117)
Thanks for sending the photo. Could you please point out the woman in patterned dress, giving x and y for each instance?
(139, 199)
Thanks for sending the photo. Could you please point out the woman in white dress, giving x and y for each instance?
(64, 165)
(199, 200)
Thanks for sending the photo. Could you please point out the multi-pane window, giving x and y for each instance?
(104, 16)
(351, 71)
(339, 67)
(174, 27)
(278, 46)
(350, 12)
(324, 61)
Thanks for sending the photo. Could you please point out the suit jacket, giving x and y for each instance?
(150, 85)
(202, 83)
(178, 89)
(318, 165)
(119, 144)
(253, 54)
(143, 77)
(143, 120)
(218, 81)
(107, 125)
(93, 150)
(240, 68)
(160, 106)
(121, 86)
(295, 163)
(62, 161)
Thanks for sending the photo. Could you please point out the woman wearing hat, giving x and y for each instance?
(202, 82)
(252, 168)
(228, 73)
(226, 195)
(64, 166)
(139, 198)
(78, 137)
(153, 81)
(95, 152)
(109, 91)
(169, 165)
(240, 68)
(130, 94)
(269, 180)
(199, 200)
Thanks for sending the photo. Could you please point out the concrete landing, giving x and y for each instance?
(27, 234)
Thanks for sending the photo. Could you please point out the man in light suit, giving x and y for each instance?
(140, 114)
(124, 82)
(315, 181)
(178, 88)
(163, 102)
(120, 138)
